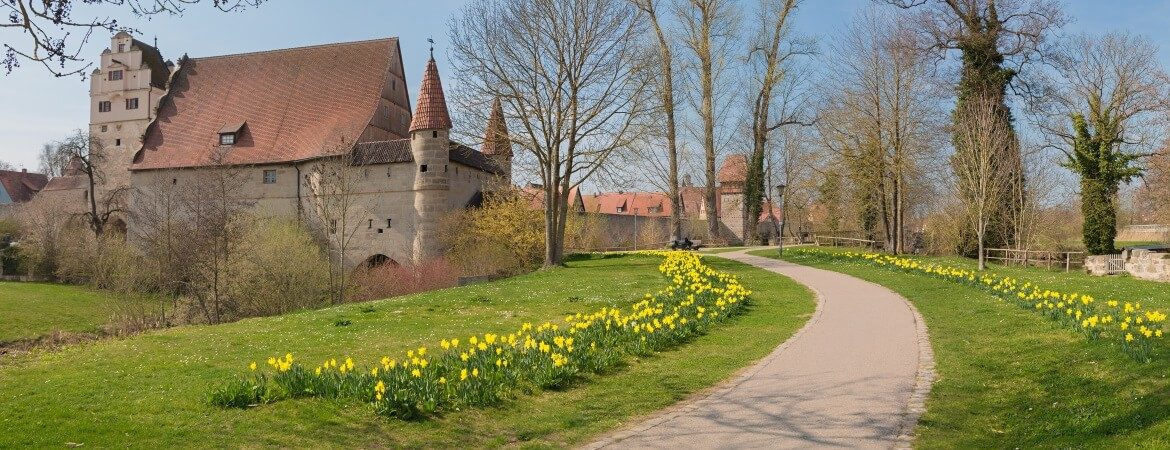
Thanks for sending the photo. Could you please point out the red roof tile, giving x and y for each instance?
(646, 204)
(734, 169)
(431, 112)
(495, 136)
(296, 102)
(22, 186)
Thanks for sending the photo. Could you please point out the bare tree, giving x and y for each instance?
(571, 78)
(998, 40)
(51, 162)
(977, 175)
(771, 54)
(880, 118)
(1117, 95)
(332, 185)
(666, 95)
(218, 219)
(88, 154)
(54, 37)
(705, 23)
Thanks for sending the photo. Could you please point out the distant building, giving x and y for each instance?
(19, 187)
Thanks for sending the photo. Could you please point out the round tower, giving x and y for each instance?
(431, 147)
(496, 144)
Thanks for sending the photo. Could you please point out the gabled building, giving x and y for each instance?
(274, 118)
(20, 186)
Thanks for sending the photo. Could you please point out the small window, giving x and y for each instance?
(121, 48)
(388, 171)
(269, 177)
(132, 103)
(621, 209)
(444, 168)
(85, 195)
(174, 181)
(105, 128)
(393, 84)
(227, 139)
(422, 168)
(435, 134)
(104, 106)
(117, 142)
(370, 226)
(115, 75)
(387, 223)
(379, 230)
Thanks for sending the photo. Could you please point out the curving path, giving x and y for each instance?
(856, 375)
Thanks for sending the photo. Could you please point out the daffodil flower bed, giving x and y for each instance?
(487, 369)
(1134, 327)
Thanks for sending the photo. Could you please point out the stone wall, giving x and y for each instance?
(1148, 265)
(1097, 265)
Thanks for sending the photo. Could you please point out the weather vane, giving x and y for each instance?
(432, 41)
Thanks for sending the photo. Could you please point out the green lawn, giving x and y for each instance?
(28, 310)
(151, 390)
(1008, 377)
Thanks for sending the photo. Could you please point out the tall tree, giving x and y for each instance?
(54, 37)
(996, 39)
(571, 77)
(1113, 96)
(978, 170)
(880, 117)
(665, 86)
(705, 23)
(771, 55)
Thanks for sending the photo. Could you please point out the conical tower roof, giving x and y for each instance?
(431, 110)
(495, 137)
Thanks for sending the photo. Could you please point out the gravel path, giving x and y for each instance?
(856, 375)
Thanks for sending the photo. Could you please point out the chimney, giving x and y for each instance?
(23, 170)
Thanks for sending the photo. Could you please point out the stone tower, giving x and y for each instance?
(732, 177)
(496, 144)
(124, 94)
(431, 147)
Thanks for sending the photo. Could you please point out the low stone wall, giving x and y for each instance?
(1148, 265)
(1097, 265)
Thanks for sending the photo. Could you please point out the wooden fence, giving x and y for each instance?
(836, 241)
(1037, 258)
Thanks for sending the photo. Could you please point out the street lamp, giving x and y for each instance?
(779, 198)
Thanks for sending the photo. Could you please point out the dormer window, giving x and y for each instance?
(230, 133)
(115, 75)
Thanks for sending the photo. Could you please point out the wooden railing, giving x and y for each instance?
(1037, 258)
(836, 241)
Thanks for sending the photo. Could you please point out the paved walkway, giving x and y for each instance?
(856, 375)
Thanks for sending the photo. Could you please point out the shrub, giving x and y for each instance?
(392, 280)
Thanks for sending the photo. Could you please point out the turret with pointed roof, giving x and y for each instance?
(431, 148)
(496, 144)
(431, 110)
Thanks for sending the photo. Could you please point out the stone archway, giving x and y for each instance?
(379, 260)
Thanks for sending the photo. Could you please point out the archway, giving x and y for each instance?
(379, 260)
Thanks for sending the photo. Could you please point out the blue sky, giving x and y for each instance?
(36, 108)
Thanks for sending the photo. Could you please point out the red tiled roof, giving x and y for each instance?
(692, 200)
(734, 169)
(646, 204)
(431, 112)
(22, 186)
(495, 136)
(296, 102)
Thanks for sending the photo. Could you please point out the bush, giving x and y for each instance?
(391, 280)
(503, 237)
(281, 269)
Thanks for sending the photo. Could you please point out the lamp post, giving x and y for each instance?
(779, 198)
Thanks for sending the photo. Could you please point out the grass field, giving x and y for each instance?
(718, 250)
(1008, 377)
(28, 310)
(151, 390)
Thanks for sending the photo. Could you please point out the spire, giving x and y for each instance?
(431, 110)
(495, 137)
